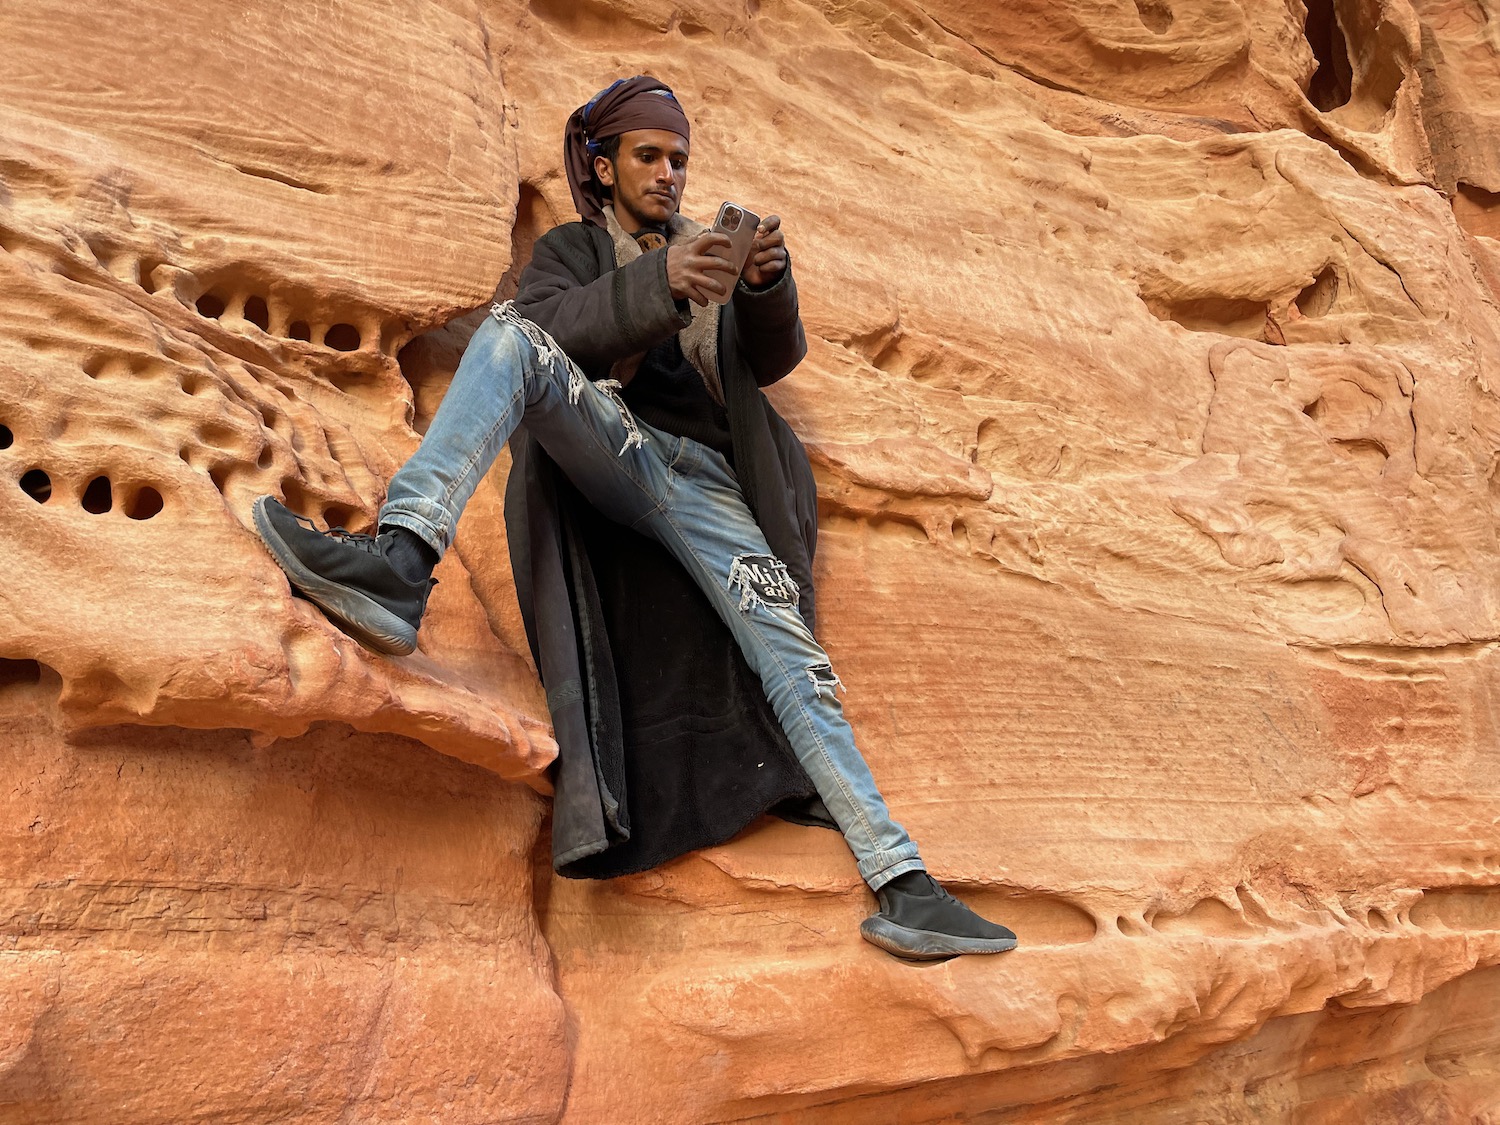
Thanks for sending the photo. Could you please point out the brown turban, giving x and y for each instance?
(641, 102)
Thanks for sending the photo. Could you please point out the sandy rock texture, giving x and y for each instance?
(1154, 393)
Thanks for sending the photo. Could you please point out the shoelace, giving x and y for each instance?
(941, 893)
(344, 535)
(356, 538)
(370, 543)
(937, 892)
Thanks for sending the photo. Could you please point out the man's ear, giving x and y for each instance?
(604, 171)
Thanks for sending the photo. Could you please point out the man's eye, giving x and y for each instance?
(678, 163)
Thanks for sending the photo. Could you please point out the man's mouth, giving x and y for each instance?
(666, 195)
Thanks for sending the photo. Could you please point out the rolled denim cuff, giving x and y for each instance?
(430, 522)
(880, 869)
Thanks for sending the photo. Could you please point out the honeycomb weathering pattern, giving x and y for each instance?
(205, 294)
(1154, 350)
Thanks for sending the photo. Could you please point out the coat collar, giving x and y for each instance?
(700, 339)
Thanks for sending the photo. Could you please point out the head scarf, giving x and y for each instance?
(641, 102)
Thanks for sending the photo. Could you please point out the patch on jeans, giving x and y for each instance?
(762, 580)
(825, 681)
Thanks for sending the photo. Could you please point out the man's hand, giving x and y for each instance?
(767, 259)
(694, 274)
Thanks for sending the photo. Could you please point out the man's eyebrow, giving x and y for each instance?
(646, 149)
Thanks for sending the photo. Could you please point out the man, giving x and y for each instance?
(621, 372)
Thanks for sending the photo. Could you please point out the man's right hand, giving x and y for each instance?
(694, 274)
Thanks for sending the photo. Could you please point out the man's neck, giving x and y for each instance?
(633, 226)
(648, 236)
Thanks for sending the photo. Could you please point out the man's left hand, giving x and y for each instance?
(767, 259)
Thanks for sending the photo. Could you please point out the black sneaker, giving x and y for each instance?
(920, 921)
(347, 576)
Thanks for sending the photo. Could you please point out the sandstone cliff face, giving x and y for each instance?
(1155, 353)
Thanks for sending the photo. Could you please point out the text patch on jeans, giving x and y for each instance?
(763, 580)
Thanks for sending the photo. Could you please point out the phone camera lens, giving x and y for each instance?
(732, 217)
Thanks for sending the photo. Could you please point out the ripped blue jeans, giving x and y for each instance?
(682, 494)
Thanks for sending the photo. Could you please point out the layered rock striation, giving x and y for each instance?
(1154, 394)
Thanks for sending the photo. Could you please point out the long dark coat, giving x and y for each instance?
(666, 742)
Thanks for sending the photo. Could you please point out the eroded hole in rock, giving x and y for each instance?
(257, 313)
(1318, 298)
(1047, 919)
(343, 380)
(1382, 51)
(210, 305)
(37, 484)
(1477, 210)
(98, 497)
(1207, 918)
(7, 439)
(299, 330)
(295, 497)
(1458, 908)
(146, 503)
(410, 355)
(394, 335)
(534, 217)
(1155, 15)
(1366, 454)
(342, 338)
(21, 682)
(94, 248)
(19, 673)
(1333, 82)
(1227, 315)
(144, 269)
(335, 516)
(219, 474)
(220, 435)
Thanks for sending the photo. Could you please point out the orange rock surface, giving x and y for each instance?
(1154, 394)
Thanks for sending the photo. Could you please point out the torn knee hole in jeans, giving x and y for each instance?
(611, 387)
(825, 681)
(762, 580)
(548, 351)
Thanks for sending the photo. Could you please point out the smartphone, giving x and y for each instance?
(739, 226)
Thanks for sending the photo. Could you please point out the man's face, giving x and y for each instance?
(647, 177)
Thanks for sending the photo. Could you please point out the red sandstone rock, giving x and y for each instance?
(1152, 390)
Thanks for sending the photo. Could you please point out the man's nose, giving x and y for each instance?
(663, 171)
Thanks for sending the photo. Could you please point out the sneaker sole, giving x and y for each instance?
(367, 621)
(925, 945)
